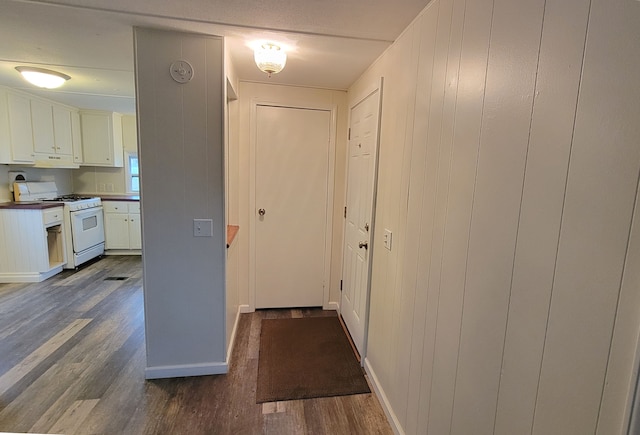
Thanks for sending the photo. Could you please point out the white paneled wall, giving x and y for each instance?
(182, 157)
(509, 162)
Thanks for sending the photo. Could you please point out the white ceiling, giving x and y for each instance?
(330, 42)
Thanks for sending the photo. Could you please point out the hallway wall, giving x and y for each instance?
(509, 165)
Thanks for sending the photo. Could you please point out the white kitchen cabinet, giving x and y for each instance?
(33, 247)
(20, 131)
(52, 133)
(101, 138)
(129, 133)
(76, 137)
(62, 130)
(36, 131)
(42, 125)
(122, 226)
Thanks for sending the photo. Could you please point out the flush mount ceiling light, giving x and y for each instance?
(270, 58)
(43, 78)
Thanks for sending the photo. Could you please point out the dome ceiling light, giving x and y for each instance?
(43, 78)
(270, 58)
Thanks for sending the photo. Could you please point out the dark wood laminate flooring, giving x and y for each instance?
(72, 361)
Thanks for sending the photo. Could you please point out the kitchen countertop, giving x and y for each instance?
(118, 197)
(29, 205)
(232, 231)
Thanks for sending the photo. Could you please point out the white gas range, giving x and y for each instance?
(83, 220)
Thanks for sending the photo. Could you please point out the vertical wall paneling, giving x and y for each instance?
(601, 188)
(501, 310)
(624, 359)
(510, 83)
(413, 246)
(440, 145)
(402, 86)
(405, 297)
(393, 126)
(557, 83)
(181, 133)
(623, 364)
(470, 97)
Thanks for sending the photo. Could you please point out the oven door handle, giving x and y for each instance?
(87, 211)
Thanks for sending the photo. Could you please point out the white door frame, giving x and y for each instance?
(333, 109)
(370, 89)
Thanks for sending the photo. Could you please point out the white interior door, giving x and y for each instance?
(363, 146)
(291, 198)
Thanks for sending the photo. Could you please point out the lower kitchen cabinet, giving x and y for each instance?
(122, 226)
(33, 247)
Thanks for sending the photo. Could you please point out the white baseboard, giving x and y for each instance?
(11, 277)
(178, 371)
(245, 309)
(123, 252)
(232, 339)
(384, 401)
(331, 306)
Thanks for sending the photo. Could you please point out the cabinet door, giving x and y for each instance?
(97, 137)
(116, 229)
(20, 132)
(62, 130)
(76, 137)
(42, 124)
(129, 133)
(135, 232)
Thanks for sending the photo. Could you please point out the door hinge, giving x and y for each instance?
(340, 285)
(345, 211)
(349, 135)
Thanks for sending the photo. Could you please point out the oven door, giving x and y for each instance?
(87, 228)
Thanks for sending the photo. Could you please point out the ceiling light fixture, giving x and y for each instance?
(270, 58)
(43, 78)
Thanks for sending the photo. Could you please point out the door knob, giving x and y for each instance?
(364, 245)
(261, 211)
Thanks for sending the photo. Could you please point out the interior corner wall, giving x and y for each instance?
(231, 194)
(508, 173)
(182, 172)
(247, 93)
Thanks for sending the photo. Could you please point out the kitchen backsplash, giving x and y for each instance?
(99, 180)
(62, 177)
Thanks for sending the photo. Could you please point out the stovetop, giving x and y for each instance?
(48, 191)
(71, 198)
(77, 202)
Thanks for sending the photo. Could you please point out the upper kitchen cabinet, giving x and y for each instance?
(62, 130)
(35, 131)
(101, 138)
(16, 136)
(52, 133)
(76, 137)
(129, 133)
(42, 124)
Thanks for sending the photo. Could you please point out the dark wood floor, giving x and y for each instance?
(72, 361)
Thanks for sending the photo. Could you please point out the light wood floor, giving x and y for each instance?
(72, 361)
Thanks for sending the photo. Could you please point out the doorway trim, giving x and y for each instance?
(333, 109)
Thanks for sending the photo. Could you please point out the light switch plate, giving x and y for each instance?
(387, 237)
(202, 227)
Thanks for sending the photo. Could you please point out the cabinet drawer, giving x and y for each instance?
(134, 207)
(115, 207)
(52, 215)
